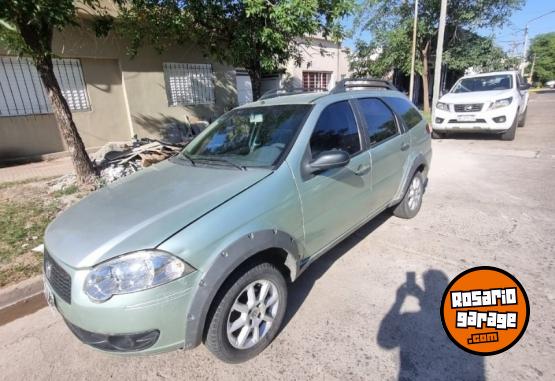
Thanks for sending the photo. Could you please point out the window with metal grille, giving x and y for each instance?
(189, 84)
(315, 80)
(22, 91)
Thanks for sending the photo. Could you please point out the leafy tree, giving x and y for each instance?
(543, 48)
(26, 28)
(390, 23)
(259, 35)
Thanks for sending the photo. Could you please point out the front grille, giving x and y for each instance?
(474, 107)
(472, 122)
(57, 277)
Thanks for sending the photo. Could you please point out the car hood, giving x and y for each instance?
(142, 210)
(476, 96)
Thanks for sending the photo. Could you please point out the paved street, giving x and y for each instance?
(489, 202)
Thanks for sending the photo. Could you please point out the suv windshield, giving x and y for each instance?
(248, 137)
(487, 83)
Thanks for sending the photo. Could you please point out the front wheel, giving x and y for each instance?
(510, 133)
(412, 201)
(522, 119)
(248, 315)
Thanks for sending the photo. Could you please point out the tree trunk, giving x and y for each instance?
(82, 164)
(425, 79)
(255, 73)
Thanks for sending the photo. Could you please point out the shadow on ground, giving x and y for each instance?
(425, 351)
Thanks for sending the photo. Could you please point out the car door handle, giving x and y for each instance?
(362, 169)
(405, 146)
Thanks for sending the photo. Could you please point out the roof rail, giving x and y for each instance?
(289, 91)
(350, 84)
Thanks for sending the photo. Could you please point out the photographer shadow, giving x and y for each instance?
(426, 353)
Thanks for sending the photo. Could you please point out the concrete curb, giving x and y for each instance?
(21, 299)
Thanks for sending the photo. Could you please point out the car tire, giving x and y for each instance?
(510, 133)
(438, 135)
(412, 201)
(236, 315)
(522, 119)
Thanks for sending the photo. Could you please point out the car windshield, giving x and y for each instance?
(486, 83)
(248, 137)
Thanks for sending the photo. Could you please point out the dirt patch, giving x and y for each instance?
(26, 209)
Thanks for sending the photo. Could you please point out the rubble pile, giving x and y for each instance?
(116, 160)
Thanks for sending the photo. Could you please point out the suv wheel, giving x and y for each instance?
(522, 120)
(411, 203)
(247, 316)
(510, 133)
(438, 135)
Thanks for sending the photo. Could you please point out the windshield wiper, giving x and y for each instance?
(183, 154)
(223, 160)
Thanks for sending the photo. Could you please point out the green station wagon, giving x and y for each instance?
(200, 248)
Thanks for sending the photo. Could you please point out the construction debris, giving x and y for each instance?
(116, 160)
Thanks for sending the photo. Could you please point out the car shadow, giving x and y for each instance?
(300, 289)
(425, 351)
(471, 136)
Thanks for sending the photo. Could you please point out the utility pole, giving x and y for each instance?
(532, 70)
(439, 53)
(414, 30)
(525, 48)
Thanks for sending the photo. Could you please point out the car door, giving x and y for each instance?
(388, 147)
(334, 201)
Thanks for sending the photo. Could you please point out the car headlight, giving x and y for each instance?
(133, 272)
(501, 103)
(442, 106)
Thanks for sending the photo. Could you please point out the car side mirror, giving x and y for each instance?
(329, 160)
(524, 86)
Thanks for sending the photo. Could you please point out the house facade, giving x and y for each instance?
(324, 63)
(112, 97)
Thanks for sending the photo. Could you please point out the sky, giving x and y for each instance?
(510, 37)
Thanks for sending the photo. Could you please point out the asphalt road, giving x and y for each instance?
(488, 203)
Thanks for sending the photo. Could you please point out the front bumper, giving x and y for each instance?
(144, 322)
(493, 121)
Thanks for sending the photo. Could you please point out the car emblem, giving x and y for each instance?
(468, 108)
(47, 269)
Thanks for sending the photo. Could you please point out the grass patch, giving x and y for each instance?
(22, 225)
(11, 184)
(72, 189)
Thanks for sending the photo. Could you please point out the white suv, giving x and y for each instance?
(489, 102)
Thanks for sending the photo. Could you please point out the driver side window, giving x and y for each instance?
(336, 129)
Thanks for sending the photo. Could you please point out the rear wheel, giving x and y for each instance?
(248, 315)
(412, 201)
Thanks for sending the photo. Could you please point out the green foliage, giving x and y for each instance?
(390, 23)
(480, 53)
(543, 47)
(26, 26)
(260, 35)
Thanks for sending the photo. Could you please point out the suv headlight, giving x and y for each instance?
(442, 106)
(133, 272)
(501, 103)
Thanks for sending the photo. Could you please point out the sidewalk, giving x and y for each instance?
(49, 168)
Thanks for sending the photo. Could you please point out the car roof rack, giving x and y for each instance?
(350, 84)
(289, 91)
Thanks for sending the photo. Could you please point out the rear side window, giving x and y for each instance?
(380, 121)
(405, 110)
(336, 129)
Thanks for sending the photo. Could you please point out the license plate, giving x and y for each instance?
(466, 118)
(49, 296)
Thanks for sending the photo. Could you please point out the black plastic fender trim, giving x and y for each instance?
(224, 264)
